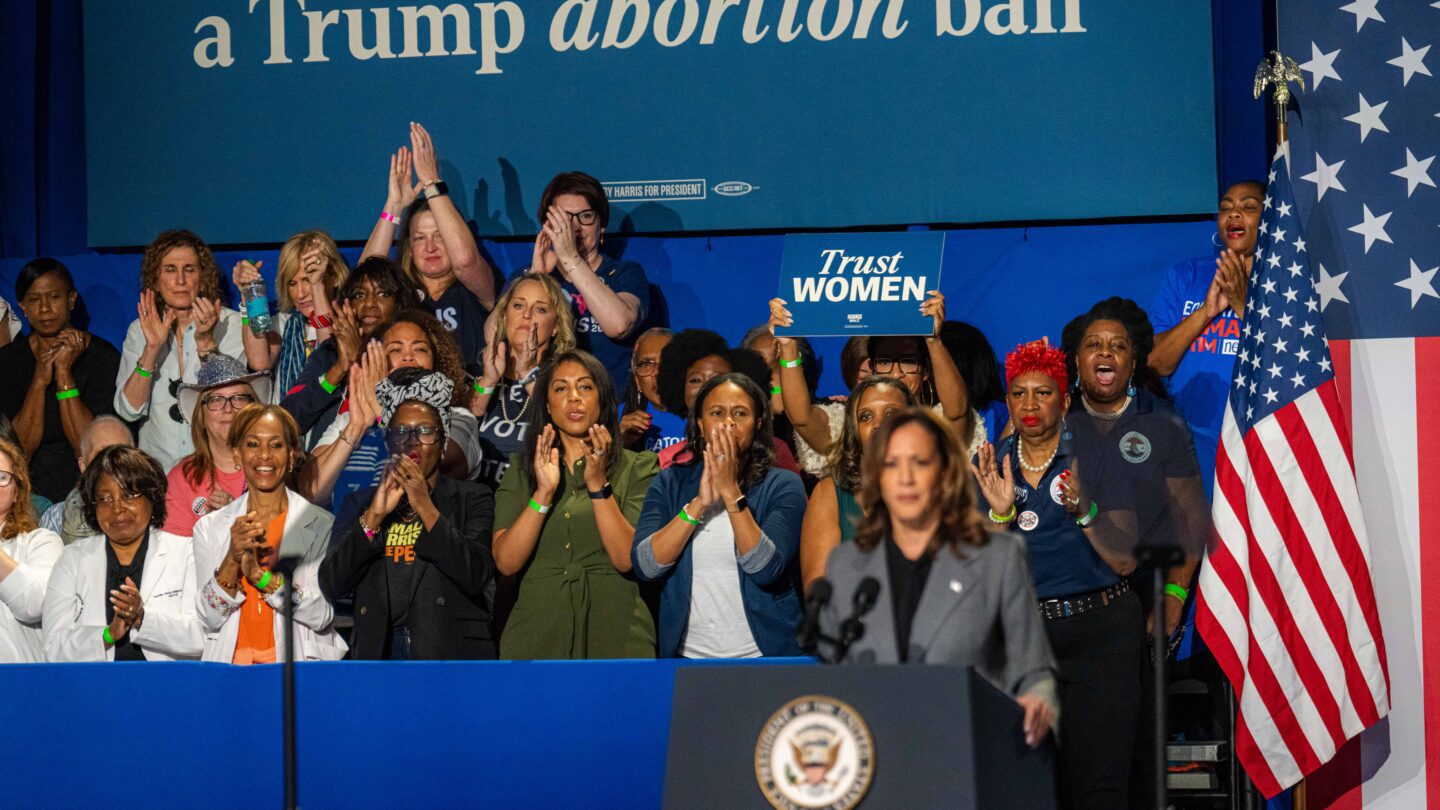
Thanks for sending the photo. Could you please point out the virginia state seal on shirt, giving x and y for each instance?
(814, 752)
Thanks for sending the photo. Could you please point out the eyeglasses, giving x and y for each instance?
(236, 401)
(886, 365)
(128, 498)
(586, 217)
(646, 368)
(6, 478)
(402, 435)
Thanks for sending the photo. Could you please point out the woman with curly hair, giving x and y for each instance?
(921, 527)
(307, 279)
(181, 324)
(834, 511)
(532, 323)
(351, 454)
(128, 593)
(720, 530)
(1094, 621)
(693, 358)
(27, 555)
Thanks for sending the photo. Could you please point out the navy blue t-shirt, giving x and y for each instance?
(1201, 383)
(459, 311)
(622, 277)
(1062, 561)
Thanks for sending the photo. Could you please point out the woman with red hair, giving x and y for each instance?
(1095, 624)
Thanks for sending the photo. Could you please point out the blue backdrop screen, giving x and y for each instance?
(248, 120)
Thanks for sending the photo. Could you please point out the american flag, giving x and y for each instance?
(1362, 157)
(1286, 602)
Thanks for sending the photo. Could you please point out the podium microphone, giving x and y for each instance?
(853, 629)
(808, 635)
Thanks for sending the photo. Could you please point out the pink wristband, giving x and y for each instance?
(389, 217)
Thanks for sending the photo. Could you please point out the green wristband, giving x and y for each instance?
(1177, 591)
(774, 389)
(109, 639)
(538, 507)
(1005, 518)
(324, 383)
(264, 581)
(1089, 517)
(244, 321)
(68, 394)
(139, 369)
(685, 516)
(796, 363)
(480, 389)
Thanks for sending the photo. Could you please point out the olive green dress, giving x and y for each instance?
(572, 602)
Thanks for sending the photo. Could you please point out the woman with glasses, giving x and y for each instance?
(640, 428)
(611, 298)
(241, 600)
(924, 365)
(211, 477)
(310, 273)
(128, 593)
(371, 295)
(181, 324)
(27, 555)
(566, 513)
(437, 249)
(351, 454)
(415, 550)
(56, 380)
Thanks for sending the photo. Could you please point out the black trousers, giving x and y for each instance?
(1101, 655)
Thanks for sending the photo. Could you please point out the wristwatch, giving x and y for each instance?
(436, 189)
(602, 493)
(741, 504)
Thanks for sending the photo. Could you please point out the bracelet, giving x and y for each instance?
(796, 363)
(142, 371)
(1089, 517)
(105, 634)
(347, 439)
(685, 516)
(389, 217)
(538, 507)
(369, 532)
(326, 384)
(229, 586)
(320, 321)
(68, 393)
(1177, 591)
(1005, 518)
(774, 389)
(262, 581)
(244, 321)
(480, 389)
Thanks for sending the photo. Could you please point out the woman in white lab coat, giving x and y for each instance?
(127, 594)
(27, 553)
(240, 599)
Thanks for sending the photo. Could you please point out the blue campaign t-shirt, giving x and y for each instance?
(1200, 385)
(364, 469)
(459, 311)
(665, 429)
(622, 277)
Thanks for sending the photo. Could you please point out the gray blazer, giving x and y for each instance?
(978, 611)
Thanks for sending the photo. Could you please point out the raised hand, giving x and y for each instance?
(412, 481)
(724, 454)
(1234, 278)
(1075, 501)
(129, 609)
(598, 449)
(153, 325)
(633, 426)
(934, 307)
(401, 192)
(707, 496)
(557, 222)
(543, 258)
(243, 273)
(346, 329)
(387, 497)
(206, 315)
(997, 485)
(547, 466)
(426, 164)
(70, 344)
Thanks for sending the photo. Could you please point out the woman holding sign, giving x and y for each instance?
(924, 365)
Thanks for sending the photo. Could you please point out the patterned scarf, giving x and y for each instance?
(434, 389)
(292, 355)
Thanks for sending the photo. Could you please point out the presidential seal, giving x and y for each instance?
(815, 752)
(1135, 447)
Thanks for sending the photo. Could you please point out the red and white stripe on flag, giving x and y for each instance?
(1286, 600)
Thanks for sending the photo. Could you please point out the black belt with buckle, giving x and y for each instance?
(1083, 603)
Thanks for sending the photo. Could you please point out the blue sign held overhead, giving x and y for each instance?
(848, 284)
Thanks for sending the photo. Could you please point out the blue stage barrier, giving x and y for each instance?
(509, 734)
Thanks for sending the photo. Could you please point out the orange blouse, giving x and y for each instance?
(255, 643)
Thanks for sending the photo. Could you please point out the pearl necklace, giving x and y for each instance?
(1020, 451)
(505, 412)
(1108, 417)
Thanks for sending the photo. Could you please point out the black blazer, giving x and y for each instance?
(449, 611)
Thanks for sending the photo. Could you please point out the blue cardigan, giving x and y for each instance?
(767, 573)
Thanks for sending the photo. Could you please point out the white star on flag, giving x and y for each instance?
(1420, 283)
(1373, 228)
(1363, 10)
(1368, 117)
(1415, 172)
(1321, 66)
(1328, 287)
(1325, 177)
(1410, 60)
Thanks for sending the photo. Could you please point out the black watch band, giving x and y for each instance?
(741, 504)
(436, 189)
(602, 493)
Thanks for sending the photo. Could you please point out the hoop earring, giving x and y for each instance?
(1214, 240)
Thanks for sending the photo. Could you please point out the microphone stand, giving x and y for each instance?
(286, 566)
(1160, 558)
